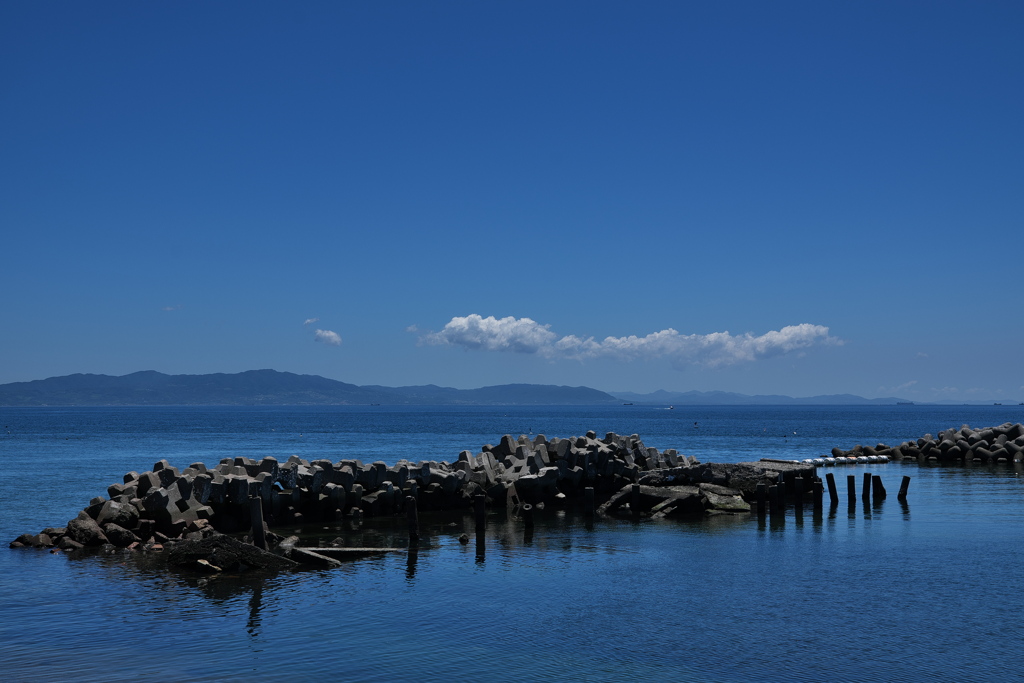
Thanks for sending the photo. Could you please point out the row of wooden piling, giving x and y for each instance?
(772, 499)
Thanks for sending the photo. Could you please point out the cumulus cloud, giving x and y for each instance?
(327, 337)
(520, 335)
(310, 321)
(523, 335)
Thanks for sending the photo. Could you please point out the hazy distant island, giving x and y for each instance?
(270, 387)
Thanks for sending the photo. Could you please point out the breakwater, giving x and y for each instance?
(1004, 443)
(165, 504)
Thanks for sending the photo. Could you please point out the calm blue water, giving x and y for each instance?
(922, 592)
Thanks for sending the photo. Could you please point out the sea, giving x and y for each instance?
(929, 590)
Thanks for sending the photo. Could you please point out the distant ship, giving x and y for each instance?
(627, 404)
(904, 403)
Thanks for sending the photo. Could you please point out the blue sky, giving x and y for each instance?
(796, 198)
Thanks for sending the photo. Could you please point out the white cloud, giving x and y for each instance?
(520, 335)
(922, 354)
(176, 307)
(523, 335)
(327, 337)
(310, 321)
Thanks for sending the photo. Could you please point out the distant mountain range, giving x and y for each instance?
(269, 387)
(726, 398)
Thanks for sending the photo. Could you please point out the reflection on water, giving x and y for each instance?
(720, 598)
(255, 603)
(574, 592)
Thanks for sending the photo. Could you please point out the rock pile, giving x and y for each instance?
(192, 504)
(1004, 443)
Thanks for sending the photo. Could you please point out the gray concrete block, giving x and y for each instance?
(344, 477)
(147, 481)
(126, 516)
(201, 487)
(288, 475)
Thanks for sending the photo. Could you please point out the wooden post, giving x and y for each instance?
(259, 537)
(798, 494)
(762, 493)
(904, 486)
(588, 501)
(866, 489)
(851, 488)
(634, 500)
(781, 491)
(527, 511)
(833, 495)
(818, 491)
(773, 500)
(479, 505)
(414, 520)
(878, 490)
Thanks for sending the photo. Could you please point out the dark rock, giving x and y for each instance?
(94, 507)
(119, 536)
(67, 543)
(42, 541)
(84, 529)
(23, 541)
(112, 512)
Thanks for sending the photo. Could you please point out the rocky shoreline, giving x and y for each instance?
(165, 505)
